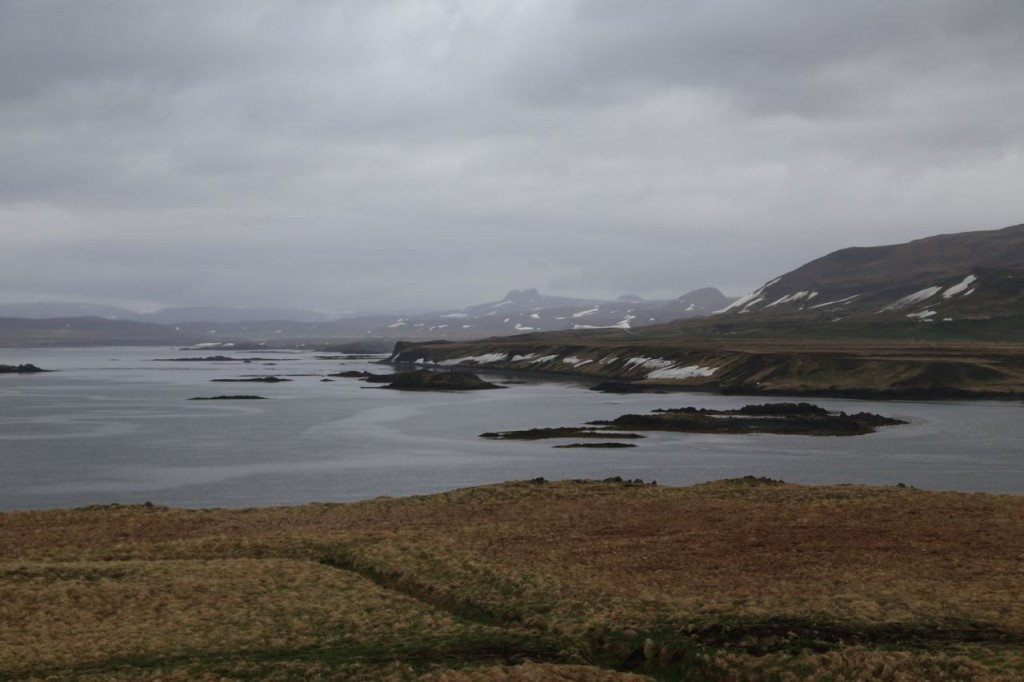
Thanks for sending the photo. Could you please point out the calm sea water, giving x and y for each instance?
(116, 425)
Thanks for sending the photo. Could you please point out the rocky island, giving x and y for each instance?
(231, 397)
(426, 380)
(794, 419)
(21, 369)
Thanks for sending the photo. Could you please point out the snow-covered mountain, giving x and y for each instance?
(530, 311)
(517, 312)
(969, 275)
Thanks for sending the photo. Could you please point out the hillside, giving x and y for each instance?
(934, 318)
(741, 579)
(970, 275)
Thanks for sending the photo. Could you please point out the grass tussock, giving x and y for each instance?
(742, 579)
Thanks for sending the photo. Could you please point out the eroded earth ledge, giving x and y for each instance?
(840, 368)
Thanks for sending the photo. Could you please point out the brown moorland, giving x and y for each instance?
(741, 579)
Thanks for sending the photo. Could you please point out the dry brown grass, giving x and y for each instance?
(726, 580)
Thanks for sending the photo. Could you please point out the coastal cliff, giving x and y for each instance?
(866, 368)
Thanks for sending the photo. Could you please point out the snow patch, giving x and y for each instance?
(682, 372)
(584, 313)
(792, 298)
(575, 361)
(913, 298)
(924, 314)
(478, 359)
(648, 363)
(750, 299)
(544, 358)
(959, 288)
(844, 301)
(455, 315)
(520, 358)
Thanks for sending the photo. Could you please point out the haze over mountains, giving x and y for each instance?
(962, 277)
(518, 311)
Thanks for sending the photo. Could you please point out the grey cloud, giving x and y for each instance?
(438, 153)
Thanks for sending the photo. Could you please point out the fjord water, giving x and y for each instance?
(116, 425)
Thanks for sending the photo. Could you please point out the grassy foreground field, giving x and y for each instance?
(743, 579)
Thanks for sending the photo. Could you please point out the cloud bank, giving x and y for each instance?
(416, 154)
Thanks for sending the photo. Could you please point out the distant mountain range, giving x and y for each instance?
(519, 311)
(529, 311)
(903, 288)
(941, 317)
(45, 310)
(965, 276)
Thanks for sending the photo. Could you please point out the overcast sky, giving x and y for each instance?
(344, 155)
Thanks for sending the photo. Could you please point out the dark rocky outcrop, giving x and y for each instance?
(426, 380)
(601, 445)
(622, 387)
(21, 369)
(801, 419)
(798, 419)
(231, 397)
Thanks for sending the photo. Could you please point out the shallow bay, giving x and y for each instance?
(116, 425)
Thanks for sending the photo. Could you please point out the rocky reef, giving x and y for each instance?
(426, 380)
(21, 369)
(795, 419)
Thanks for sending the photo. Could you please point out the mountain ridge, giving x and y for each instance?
(921, 279)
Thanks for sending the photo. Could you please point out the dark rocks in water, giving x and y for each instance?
(258, 380)
(371, 378)
(596, 445)
(21, 369)
(558, 432)
(352, 374)
(798, 419)
(232, 397)
(426, 380)
(619, 387)
(782, 409)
